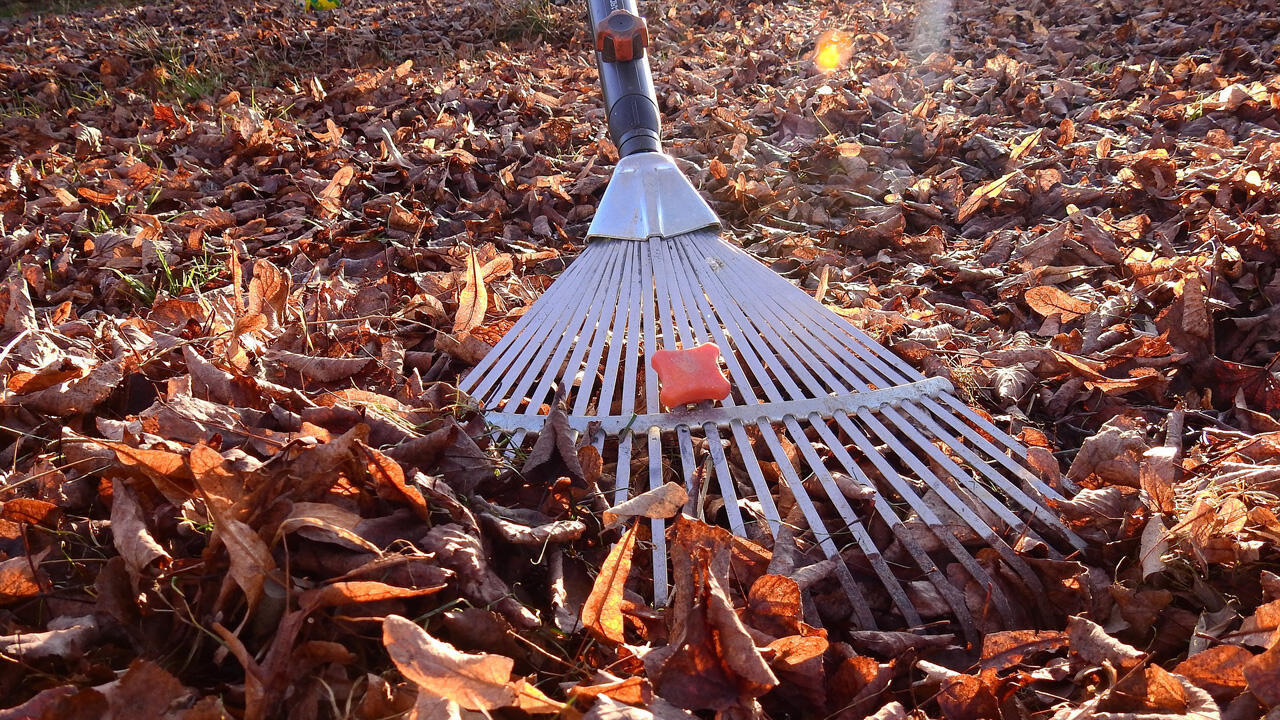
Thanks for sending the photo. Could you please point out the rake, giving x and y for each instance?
(857, 441)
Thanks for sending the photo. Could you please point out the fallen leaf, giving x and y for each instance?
(66, 638)
(473, 300)
(1088, 640)
(602, 612)
(1219, 670)
(663, 501)
(979, 197)
(21, 578)
(142, 554)
(320, 369)
(1049, 300)
(1262, 674)
(475, 681)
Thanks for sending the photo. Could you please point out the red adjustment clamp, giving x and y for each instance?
(622, 37)
(690, 376)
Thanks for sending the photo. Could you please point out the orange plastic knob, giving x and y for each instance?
(622, 37)
(690, 376)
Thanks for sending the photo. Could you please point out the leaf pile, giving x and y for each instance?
(248, 250)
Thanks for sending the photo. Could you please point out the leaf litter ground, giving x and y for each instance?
(249, 249)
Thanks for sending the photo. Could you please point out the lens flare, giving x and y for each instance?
(832, 50)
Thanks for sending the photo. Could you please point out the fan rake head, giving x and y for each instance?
(887, 470)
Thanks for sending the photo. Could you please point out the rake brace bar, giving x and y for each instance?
(825, 407)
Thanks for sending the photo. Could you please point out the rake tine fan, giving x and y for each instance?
(867, 449)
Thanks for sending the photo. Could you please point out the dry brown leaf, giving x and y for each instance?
(358, 591)
(326, 523)
(82, 394)
(1023, 146)
(712, 661)
(1001, 650)
(462, 553)
(1158, 475)
(473, 299)
(145, 690)
(631, 691)
(1219, 670)
(32, 511)
(331, 196)
(251, 561)
(1262, 674)
(1049, 300)
(66, 638)
(320, 369)
(1088, 640)
(21, 577)
(475, 681)
(1152, 546)
(967, 697)
(602, 612)
(388, 478)
(774, 606)
(142, 554)
(1195, 308)
(663, 501)
(268, 291)
(979, 197)
(1145, 690)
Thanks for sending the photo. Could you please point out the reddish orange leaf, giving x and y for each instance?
(1049, 300)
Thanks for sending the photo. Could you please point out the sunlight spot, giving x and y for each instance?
(833, 50)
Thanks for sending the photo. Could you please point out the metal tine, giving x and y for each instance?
(925, 418)
(960, 412)
(694, 328)
(668, 309)
(813, 344)
(891, 517)
(948, 495)
(1047, 519)
(860, 534)
(926, 513)
(837, 499)
(897, 370)
(764, 312)
(912, 499)
(624, 341)
(653, 436)
(543, 368)
(763, 494)
(606, 334)
(744, 382)
(530, 364)
(618, 339)
(953, 597)
(634, 349)
(530, 322)
(575, 337)
(861, 609)
(1038, 510)
(922, 559)
(531, 327)
(729, 313)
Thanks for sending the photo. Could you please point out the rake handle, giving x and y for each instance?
(629, 99)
